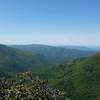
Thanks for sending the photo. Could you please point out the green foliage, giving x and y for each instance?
(80, 79)
(28, 87)
(87, 78)
(13, 61)
(54, 54)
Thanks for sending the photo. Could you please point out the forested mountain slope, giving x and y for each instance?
(80, 79)
(54, 54)
(14, 60)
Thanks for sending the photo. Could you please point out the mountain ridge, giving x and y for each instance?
(54, 54)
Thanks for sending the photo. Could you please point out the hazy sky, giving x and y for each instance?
(56, 22)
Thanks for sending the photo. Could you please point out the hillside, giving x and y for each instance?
(80, 79)
(54, 54)
(13, 61)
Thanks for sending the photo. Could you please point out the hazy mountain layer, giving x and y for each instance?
(53, 54)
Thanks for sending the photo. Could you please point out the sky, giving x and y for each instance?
(54, 22)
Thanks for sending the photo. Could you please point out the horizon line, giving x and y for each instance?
(48, 44)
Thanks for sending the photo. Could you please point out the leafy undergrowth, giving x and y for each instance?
(28, 87)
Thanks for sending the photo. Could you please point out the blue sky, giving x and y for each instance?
(56, 22)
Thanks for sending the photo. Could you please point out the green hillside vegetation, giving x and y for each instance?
(13, 60)
(54, 54)
(80, 79)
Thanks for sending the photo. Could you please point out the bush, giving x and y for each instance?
(28, 87)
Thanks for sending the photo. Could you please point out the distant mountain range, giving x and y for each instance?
(55, 54)
(19, 58)
(86, 48)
